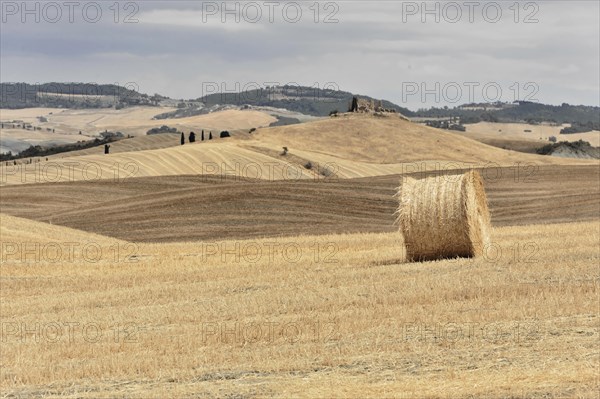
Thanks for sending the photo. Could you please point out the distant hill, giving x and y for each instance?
(71, 95)
(307, 100)
(521, 111)
(564, 149)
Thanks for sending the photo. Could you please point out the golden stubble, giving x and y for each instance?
(310, 316)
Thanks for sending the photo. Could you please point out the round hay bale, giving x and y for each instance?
(444, 216)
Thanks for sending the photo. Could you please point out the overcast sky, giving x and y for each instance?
(544, 51)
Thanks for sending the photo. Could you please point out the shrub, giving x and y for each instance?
(162, 129)
(327, 172)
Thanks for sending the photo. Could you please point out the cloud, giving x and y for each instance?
(374, 48)
(199, 20)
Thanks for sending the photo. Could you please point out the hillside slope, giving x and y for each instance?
(184, 208)
(538, 133)
(387, 140)
(348, 146)
(15, 229)
(135, 121)
(209, 158)
(307, 100)
(140, 143)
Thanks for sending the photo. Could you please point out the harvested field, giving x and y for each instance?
(203, 207)
(522, 131)
(175, 321)
(182, 282)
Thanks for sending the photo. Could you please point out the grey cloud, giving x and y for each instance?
(370, 51)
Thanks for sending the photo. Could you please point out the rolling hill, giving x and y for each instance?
(19, 95)
(137, 121)
(307, 100)
(536, 134)
(140, 143)
(345, 146)
(184, 252)
(386, 140)
(517, 112)
(19, 230)
(190, 208)
(72, 125)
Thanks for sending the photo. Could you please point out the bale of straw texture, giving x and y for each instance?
(444, 216)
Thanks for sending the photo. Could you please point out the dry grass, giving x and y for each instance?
(522, 322)
(140, 143)
(516, 131)
(309, 315)
(444, 216)
(214, 158)
(33, 137)
(134, 120)
(348, 146)
(388, 140)
(26, 114)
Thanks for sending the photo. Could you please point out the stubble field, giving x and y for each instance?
(174, 282)
(311, 316)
